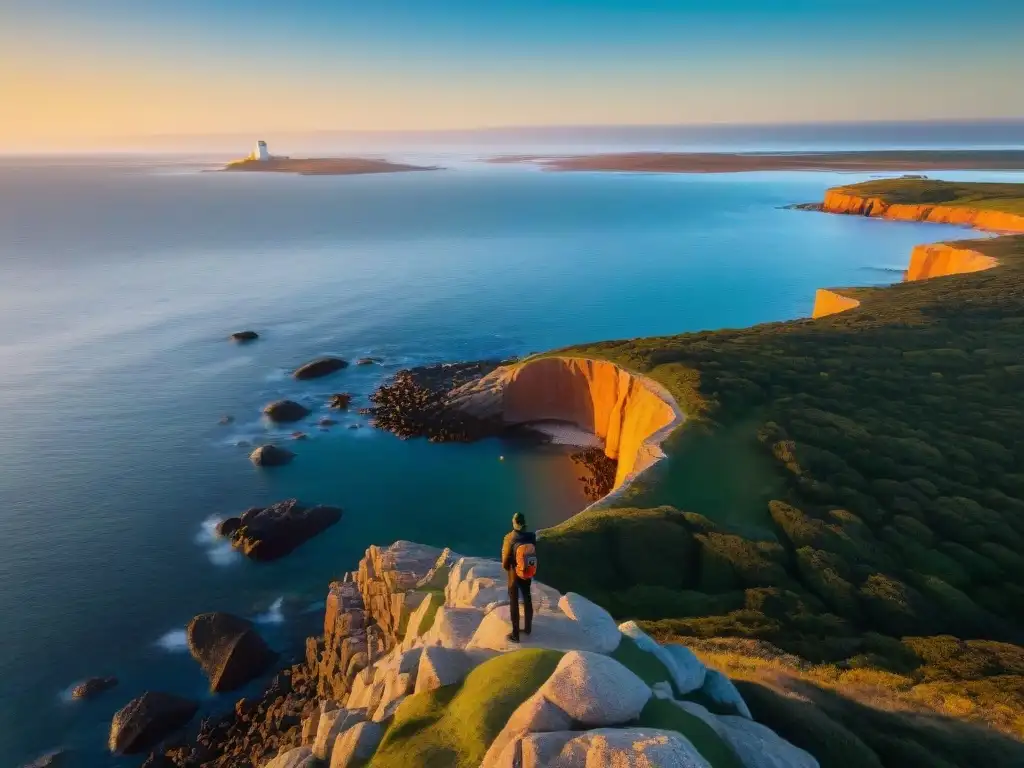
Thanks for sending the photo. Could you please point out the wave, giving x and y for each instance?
(218, 549)
(274, 614)
(175, 641)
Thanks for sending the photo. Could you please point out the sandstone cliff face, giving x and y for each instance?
(939, 259)
(830, 303)
(629, 412)
(837, 201)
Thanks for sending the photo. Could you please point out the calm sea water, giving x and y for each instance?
(120, 281)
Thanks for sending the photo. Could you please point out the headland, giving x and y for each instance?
(735, 162)
(323, 166)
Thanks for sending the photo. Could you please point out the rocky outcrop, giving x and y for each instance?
(267, 533)
(93, 687)
(323, 366)
(630, 413)
(147, 720)
(270, 455)
(243, 337)
(229, 650)
(282, 411)
(841, 201)
(830, 303)
(940, 259)
(368, 361)
(341, 401)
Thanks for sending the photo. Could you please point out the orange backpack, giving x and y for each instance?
(526, 561)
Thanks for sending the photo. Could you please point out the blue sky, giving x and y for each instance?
(112, 67)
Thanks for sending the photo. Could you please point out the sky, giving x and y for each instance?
(80, 72)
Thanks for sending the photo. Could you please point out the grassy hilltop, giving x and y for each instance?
(849, 490)
(1008, 198)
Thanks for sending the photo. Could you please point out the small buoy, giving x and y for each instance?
(501, 458)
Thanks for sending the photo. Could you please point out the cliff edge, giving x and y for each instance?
(630, 413)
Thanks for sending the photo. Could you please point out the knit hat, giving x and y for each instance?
(518, 521)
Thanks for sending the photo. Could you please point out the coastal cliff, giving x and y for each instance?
(840, 200)
(630, 413)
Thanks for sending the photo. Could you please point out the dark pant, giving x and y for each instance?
(517, 586)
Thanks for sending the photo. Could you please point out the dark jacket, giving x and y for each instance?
(508, 548)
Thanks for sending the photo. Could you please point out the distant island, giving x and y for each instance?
(323, 166)
(735, 162)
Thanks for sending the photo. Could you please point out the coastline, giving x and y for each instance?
(323, 166)
(736, 162)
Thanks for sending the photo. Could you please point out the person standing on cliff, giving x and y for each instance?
(519, 559)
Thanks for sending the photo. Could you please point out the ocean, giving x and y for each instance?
(120, 280)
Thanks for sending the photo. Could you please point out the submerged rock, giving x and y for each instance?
(229, 650)
(147, 720)
(323, 366)
(274, 531)
(285, 410)
(327, 422)
(368, 361)
(225, 420)
(53, 759)
(244, 336)
(341, 401)
(271, 456)
(93, 687)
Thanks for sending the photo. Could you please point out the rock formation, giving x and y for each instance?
(320, 367)
(229, 650)
(270, 455)
(368, 361)
(244, 336)
(272, 532)
(630, 413)
(285, 411)
(341, 401)
(144, 721)
(93, 687)
(841, 201)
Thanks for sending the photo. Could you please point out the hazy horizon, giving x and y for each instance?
(74, 74)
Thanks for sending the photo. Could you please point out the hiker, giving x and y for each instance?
(519, 558)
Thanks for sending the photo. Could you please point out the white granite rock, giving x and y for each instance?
(756, 745)
(553, 630)
(331, 724)
(721, 690)
(595, 690)
(688, 671)
(686, 678)
(300, 757)
(623, 748)
(535, 715)
(357, 743)
(596, 622)
(453, 627)
(535, 750)
(415, 628)
(441, 666)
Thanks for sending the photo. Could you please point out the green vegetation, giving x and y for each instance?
(665, 715)
(455, 725)
(1008, 198)
(894, 518)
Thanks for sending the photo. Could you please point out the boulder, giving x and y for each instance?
(327, 422)
(754, 744)
(271, 456)
(93, 687)
(688, 678)
(688, 671)
(595, 690)
(341, 401)
(454, 627)
(622, 748)
(274, 531)
(310, 728)
(244, 336)
(440, 666)
(322, 366)
(228, 526)
(285, 410)
(595, 621)
(719, 689)
(145, 721)
(368, 361)
(356, 745)
(535, 715)
(552, 630)
(331, 725)
(299, 435)
(299, 757)
(229, 650)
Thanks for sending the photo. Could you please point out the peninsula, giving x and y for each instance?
(322, 166)
(735, 162)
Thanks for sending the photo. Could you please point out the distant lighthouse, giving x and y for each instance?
(261, 152)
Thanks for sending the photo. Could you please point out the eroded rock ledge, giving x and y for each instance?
(629, 412)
